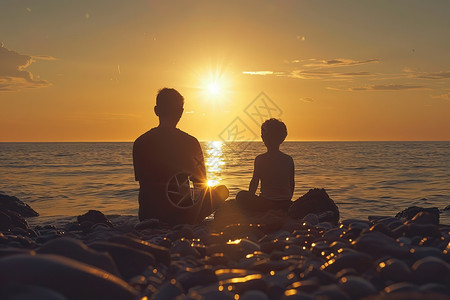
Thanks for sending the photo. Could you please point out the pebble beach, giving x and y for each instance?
(266, 255)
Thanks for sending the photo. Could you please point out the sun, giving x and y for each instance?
(214, 88)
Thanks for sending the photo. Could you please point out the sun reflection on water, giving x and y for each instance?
(214, 162)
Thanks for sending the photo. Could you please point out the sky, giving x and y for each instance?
(331, 70)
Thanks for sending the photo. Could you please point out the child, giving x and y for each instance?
(274, 169)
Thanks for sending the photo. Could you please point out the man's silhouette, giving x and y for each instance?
(163, 152)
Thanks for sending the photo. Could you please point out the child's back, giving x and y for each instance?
(274, 169)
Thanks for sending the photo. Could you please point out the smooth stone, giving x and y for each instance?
(346, 272)
(378, 245)
(325, 226)
(435, 288)
(129, 261)
(254, 295)
(184, 248)
(270, 246)
(430, 269)
(77, 250)
(14, 251)
(307, 286)
(422, 252)
(357, 287)
(400, 287)
(425, 217)
(169, 290)
(202, 276)
(209, 293)
(331, 291)
(71, 278)
(349, 259)
(412, 211)
(10, 220)
(333, 234)
(394, 270)
(313, 219)
(241, 284)
(161, 254)
(95, 217)
(147, 224)
(224, 274)
(249, 246)
(314, 201)
(294, 294)
(383, 229)
(25, 292)
(266, 265)
(313, 272)
(216, 259)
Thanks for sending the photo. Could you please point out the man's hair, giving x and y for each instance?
(273, 131)
(169, 101)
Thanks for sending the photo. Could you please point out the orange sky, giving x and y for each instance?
(335, 70)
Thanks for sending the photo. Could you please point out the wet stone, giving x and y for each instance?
(357, 287)
(394, 270)
(430, 269)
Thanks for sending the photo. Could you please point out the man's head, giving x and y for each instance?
(273, 132)
(169, 105)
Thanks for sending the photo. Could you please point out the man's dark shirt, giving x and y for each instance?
(158, 155)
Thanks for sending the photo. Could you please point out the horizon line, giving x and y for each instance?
(250, 141)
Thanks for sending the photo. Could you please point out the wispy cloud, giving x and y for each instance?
(13, 75)
(337, 62)
(438, 75)
(262, 73)
(306, 99)
(442, 96)
(382, 87)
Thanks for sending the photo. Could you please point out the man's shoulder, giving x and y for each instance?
(175, 134)
(145, 136)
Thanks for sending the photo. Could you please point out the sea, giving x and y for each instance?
(63, 180)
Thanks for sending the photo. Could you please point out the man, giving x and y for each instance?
(164, 152)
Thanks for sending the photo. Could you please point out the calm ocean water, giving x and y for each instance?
(363, 178)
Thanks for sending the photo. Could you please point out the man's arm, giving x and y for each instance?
(199, 175)
(255, 178)
(135, 162)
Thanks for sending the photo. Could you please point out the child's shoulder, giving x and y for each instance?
(287, 156)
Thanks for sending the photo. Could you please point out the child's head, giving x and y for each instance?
(273, 132)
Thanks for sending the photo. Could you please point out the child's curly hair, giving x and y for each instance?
(273, 131)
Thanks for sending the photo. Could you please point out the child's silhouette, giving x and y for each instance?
(274, 169)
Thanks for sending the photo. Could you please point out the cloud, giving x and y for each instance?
(306, 99)
(335, 62)
(443, 96)
(388, 87)
(261, 73)
(320, 69)
(13, 75)
(319, 74)
(439, 75)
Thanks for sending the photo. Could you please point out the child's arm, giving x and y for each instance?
(255, 179)
(292, 179)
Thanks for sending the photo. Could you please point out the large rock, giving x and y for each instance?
(315, 201)
(10, 219)
(72, 279)
(412, 211)
(14, 204)
(94, 217)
